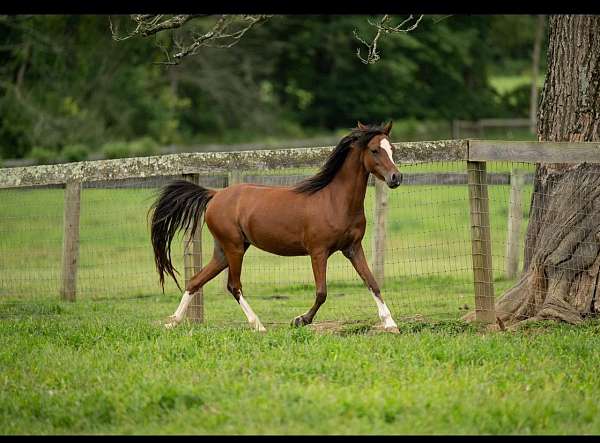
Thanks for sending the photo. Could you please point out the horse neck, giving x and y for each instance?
(349, 186)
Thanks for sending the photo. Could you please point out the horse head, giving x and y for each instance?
(377, 154)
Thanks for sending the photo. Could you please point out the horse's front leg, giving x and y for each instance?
(319, 266)
(356, 256)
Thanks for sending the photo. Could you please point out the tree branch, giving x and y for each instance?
(372, 54)
(224, 33)
(147, 25)
(228, 30)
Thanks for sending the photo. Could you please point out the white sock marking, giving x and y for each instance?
(384, 313)
(186, 298)
(252, 317)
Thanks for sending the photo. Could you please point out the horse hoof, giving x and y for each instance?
(392, 330)
(299, 321)
(171, 325)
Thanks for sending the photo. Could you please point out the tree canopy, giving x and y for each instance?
(66, 82)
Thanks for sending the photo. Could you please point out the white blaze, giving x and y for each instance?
(384, 313)
(387, 147)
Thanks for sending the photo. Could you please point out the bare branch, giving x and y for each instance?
(435, 22)
(228, 30)
(372, 54)
(224, 33)
(147, 25)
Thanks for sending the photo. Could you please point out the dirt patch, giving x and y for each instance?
(353, 327)
(327, 326)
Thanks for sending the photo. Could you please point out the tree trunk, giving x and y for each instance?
(22, 68)
(535, 65)
(562, 246)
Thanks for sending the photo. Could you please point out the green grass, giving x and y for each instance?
(508, 83)
(104, 365)
(99, 368)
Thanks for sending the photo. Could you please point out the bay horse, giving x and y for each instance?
(317, 217)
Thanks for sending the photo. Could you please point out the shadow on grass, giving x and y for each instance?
(29, 309)
(413, 326)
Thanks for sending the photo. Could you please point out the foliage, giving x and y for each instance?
(74, 153)
(65, 82)
(143, 147)
(140, 147)
(510, 41)
(43, 155)
(516, 101)
(116, 149)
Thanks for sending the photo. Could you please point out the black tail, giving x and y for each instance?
(178, 207)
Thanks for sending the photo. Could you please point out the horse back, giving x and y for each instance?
(268, 217)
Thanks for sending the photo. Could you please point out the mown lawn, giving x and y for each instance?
(105, 365)
(100, 368)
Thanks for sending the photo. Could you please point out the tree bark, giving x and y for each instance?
(535, 65)
(22, 68)
(562, 246)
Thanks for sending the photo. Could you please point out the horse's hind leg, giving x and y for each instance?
(235, 256)
(319, 266)
(207, 273)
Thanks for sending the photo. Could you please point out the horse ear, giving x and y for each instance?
(388, 128)
(361, 126)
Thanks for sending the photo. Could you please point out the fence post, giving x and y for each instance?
(515, 217)
(70, 251)
(380, 218)
(481, 242)
(233, 178)
(192, 262)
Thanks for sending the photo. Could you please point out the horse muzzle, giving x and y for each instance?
(394, 180)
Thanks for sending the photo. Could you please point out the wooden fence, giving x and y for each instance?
(192, 165)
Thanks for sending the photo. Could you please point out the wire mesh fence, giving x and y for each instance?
(426, 248)
(443, 244)
(561, 252)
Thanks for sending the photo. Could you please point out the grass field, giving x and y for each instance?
(98, 368)
(105, 365)
(507, 83)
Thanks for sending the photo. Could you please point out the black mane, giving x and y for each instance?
(337, 157)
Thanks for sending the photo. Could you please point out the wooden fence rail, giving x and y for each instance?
(213, 163)
(475, 153)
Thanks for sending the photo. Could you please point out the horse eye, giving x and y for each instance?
(375, 151)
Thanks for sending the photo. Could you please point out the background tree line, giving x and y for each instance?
(68, 89)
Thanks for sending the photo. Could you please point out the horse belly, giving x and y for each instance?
(276, 239)
(275, 228)
(289, 250)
